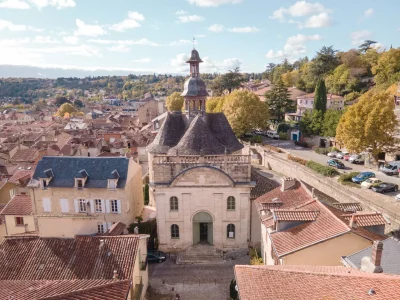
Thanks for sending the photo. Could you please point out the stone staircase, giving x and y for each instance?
(200, 254)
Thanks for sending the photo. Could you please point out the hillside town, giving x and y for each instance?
(203, 185)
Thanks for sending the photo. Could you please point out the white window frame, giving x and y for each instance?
(82, 183)
(98, 203)
(46, 204)
(114, 206)
(64, 205)
(82, 205)
(231, 203)
(100, 228)
(21, 218)
(12, 193)
(112, 184)
(173, 203)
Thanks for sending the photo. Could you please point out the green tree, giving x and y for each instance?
(366, 45)
(228, 81)
(174, 102)
(66, 108)
(214, 104)
(320, 96)
(387, 70)
(311, 123)
(78, 103)
(60, 100)
(331, 121)
(278, 99)
(368, 124)
(325, 62)
(245, 111)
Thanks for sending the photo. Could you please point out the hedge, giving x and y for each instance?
(321, 169)
(297, 159)
(323, 151)
(345, 179)
(301, 144)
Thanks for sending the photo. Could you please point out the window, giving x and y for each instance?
(230, 231)
(44, 184)
(112, 184)
(114, 206)
(173, 203)
(231, 203)
(100, 228)
(12, 193)
(97, 206)
(79, 183)
(19, 221)
(82, 205)
(174, 231)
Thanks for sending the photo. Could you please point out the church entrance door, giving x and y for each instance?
(202, 228)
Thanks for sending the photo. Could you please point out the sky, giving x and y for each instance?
(157, 35)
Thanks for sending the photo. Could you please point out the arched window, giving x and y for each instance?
(173, 203)
(230, 231)
(174, 231)
(231, 203)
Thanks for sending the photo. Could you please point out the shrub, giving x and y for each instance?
(297, 159)
(255, 258)
(323, 170)
(351, 96)
(273, 148)
(301, 144)
(345, 179)
(323, 151)
(283, 127)
(283, 136)
(256, 139)
(333, 149)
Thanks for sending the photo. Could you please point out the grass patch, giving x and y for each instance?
(321, 169)
(345, 179)
(297, 159)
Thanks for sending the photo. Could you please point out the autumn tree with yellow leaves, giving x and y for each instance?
(174, 102)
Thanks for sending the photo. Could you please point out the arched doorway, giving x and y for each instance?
(202, 228)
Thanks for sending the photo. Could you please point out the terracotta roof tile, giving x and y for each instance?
(313, 282)
(18, 205)
(348, 207)
(20, 177)
(366, 219)
(117, 229)
(295, 215)
(24, 155)
(84, 257)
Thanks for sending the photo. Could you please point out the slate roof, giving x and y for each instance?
(390, 262)
(194, 57)
(194, 87)
(19, 205)
(313, 282)
(263, 184)
(85, 257)
(99, 170)
(64, 289)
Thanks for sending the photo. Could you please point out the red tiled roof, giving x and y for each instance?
(18, 205)
(366, 219)
(348, 207)
(84, 257)
(313, 282)
(263, 185)
(295, 215)
(325, 226)
(64, 289)
(24, 155)
(21, 176)
(117, 229)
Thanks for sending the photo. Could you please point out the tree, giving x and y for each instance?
(320, 96)
(245, 111)
(331, 121)
(228, 81)
(214, 104)
(78, 103)
(66, 108)
(370, 124)
(174, 102)
(325, 62)
(387, 70)
(60, 100)
(311, 123)
(366, 45)
(278, 99)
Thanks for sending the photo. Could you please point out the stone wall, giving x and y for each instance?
(371, 201)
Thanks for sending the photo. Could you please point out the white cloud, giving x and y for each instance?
(181, 12)
(119, 48)
(190, 18)
(216, 28)
(73, 40)
(14, 42)
(141, 60)
(45, 40)
(182, 42)
(4, 24)
(369, 12)
(144, 42)
(294, 47)
(358, 37)
(299, 9)
(59, 4)
(378, 46)
(14, 4)
(244, 29)
(317, 21)
(88, 30)
(131, 22)
(213, 3)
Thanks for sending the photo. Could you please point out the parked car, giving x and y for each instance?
(156, 256)
(391, 168)
(362, 177)
(397, 197)
(273, 134)
(385, 187)
(336, 163)
(370, 182)
(332, 154)
(341, 155)
(258, 132)
(347, 156)
(357, 159)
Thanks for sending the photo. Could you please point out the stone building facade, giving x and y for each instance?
(199, 176)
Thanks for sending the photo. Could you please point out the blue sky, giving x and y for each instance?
(156, 35)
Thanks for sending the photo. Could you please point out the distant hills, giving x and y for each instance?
(38, 72)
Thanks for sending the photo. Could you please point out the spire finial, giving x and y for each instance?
(194, 42)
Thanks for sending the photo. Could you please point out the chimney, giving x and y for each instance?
(287, 183)
(353, 222)
(136, 230)
(377, 249)
(115, 274)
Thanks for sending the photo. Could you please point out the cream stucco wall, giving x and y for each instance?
(2, 231)
(137, 273)
(12, 228)
(202, 190)
(68, 224)
(329, 252)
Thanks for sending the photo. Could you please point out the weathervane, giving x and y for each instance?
(194, 42)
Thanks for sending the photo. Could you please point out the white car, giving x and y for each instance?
(397, 197)
(332, 154)
(342, 154)
(368, 183)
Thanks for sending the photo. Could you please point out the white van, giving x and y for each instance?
(391, 168)
(273, 134)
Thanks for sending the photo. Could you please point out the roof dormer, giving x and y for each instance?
(47, 177)
(81, 178)
(113, 180)
(285, 219)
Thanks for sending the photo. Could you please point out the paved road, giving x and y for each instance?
(322, 159)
